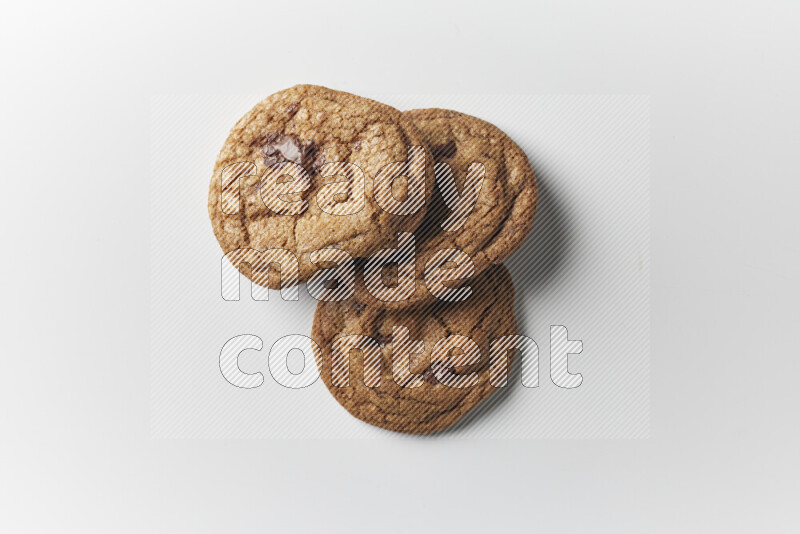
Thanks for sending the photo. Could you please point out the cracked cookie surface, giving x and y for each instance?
(503, 212)
(434, 404)
(310, 126)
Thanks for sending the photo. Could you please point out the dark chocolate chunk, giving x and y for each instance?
(332, 284)
(430, 373)
(280, 147)
(447, 150)
(429, 376)
(384, 338)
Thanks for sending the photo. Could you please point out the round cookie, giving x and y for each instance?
(503, 211)
(434, 404)
(252, 207)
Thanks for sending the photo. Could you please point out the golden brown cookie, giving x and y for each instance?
(259, 200)
(426, 391)
(482, 160)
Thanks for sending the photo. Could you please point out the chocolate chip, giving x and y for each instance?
(292, 109)
(384, 338)
(447, 150)
(332, 284)
(430, 373)
(357, 306)
(280, 147)
(429, 376)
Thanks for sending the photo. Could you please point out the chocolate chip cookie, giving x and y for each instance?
(374, 362)
(299, 173)
(483, 206)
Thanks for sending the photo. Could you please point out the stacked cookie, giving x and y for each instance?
(398, 222)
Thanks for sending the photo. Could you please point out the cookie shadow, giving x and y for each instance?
(535, 267)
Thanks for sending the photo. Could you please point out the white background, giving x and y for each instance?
(76, 449)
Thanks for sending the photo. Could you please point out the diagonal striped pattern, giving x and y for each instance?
(229, 361)
(282, 181)
(344, 348)
(403, 257)
(412, 171)
(403, 347)
(261, 263)
(460, 204)
(445, 265)
(585, 266)
(343, 197)
(500, 360)
(230, 196)
(333, 283)
(453, 352)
